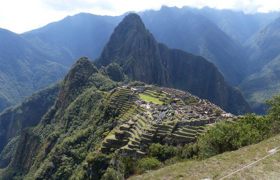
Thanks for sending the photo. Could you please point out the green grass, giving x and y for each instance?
(221, 165)
(151, 99)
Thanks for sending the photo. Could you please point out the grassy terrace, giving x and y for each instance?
(148, 98)
(223, 164)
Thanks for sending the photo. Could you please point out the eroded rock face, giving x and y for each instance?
(142, 58)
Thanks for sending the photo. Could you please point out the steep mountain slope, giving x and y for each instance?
(264, 82)
(74, 37)
(143, 59)
(23, 70)
(265, 46)
(194, 33)
(26, 114)
(263, 85)
(95, 121)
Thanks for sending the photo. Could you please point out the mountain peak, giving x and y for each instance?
(132, 21)
(129, 37)
(75, 80)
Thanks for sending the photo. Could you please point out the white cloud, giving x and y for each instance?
(23, 15)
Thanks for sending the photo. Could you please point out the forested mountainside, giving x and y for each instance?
(264, 82)
(24, 69)
(264, 46)
(95, 121)
(26, 114)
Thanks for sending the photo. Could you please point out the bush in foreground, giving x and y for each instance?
(148, 163)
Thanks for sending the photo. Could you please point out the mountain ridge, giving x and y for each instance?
(24, 69)
(197, 34)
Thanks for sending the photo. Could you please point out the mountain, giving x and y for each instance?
(95, 121)
(73, 37)
(195, 33)
(265, 46)
(26, 114)
(142, 58)
(82, 35)
(24, 69)
(238, 25)
(264, 82)
(261, 86)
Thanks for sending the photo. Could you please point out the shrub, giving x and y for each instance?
(97, 165)
(112, 174)
(274, 114)
(129, 166)
(148, 163)
(162, 152)
(218, 139)
(188, 151)
(115, 72)
(228, 136)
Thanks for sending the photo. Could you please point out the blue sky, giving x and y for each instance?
(23, 15)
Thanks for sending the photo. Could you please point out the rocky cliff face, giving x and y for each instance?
(143, 59)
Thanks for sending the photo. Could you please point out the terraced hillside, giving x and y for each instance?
(150, 114)
(95, 120)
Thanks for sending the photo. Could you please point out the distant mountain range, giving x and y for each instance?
(24, 69)
(238, 25)
(195, 33)
(264, 50)
(73, 37)
(223, 37)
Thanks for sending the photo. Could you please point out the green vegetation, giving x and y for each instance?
(149, 98)
(98, 129)
(223, 137)
(228, 136)
(115, 72)
(147, 163)
(162, 152)
(24, 69)
(221, 165)
(15, 119)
